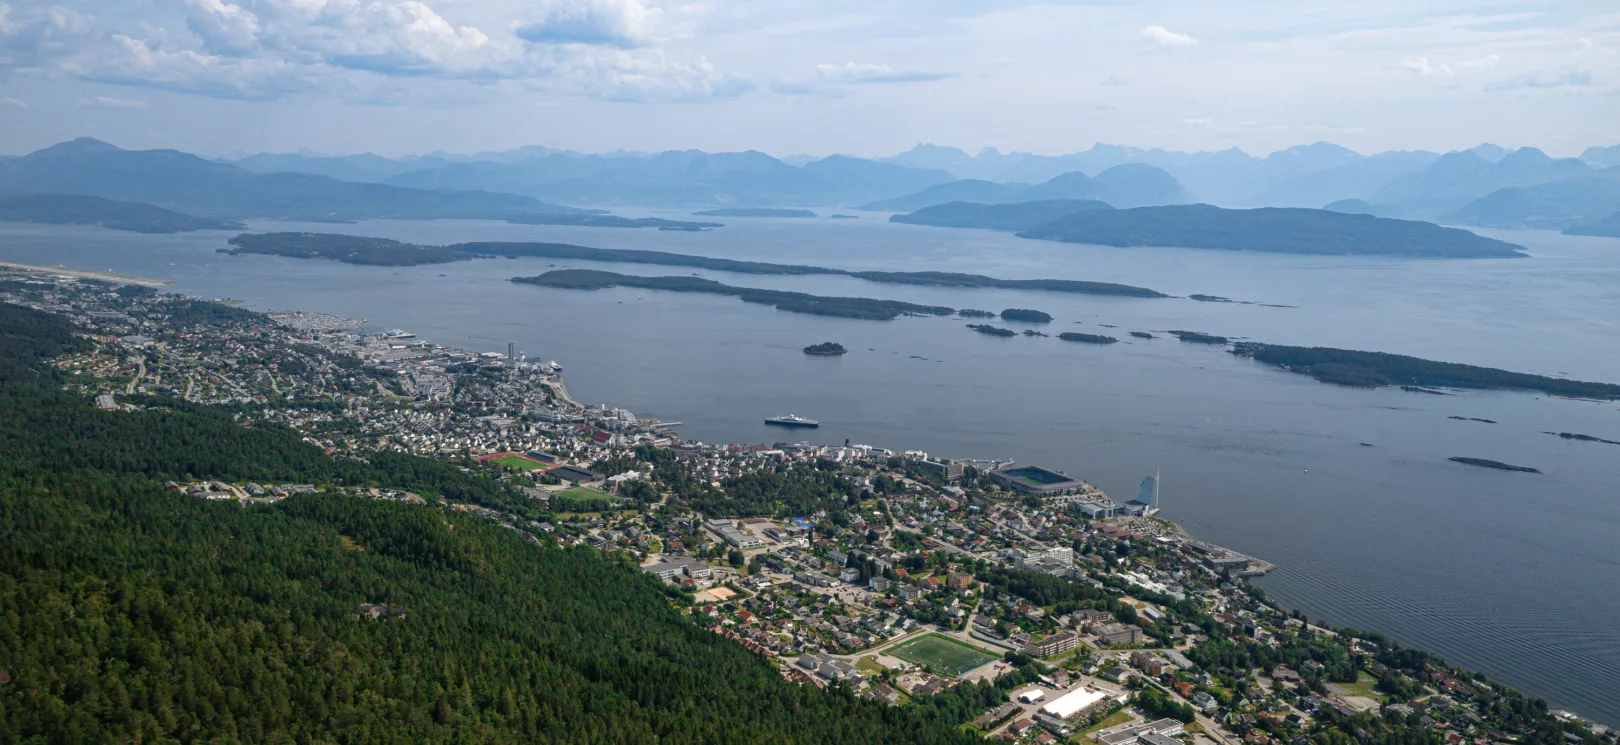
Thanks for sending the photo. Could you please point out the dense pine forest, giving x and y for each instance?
(130, 613)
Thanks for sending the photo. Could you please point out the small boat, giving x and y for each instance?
(792, 420)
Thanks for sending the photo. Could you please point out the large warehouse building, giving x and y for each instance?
(1063, 713)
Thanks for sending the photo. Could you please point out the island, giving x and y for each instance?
(1271, 230)
(988, 330)
(825, 349)
(1087, 338)
(381, 251)
(754, 212)
(1583, 438)
(1033, 332)
(1025, 315)
(1198, 337)
(795, 302)
(1142, 335)
(1011, 217)
(80, 209)
(1374, 369)
(971, 313)
(844, 217)
(1496, 464)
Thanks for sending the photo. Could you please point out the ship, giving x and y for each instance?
(398, 334)
(792, 420)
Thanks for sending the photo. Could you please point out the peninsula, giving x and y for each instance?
(80, 209)
(1271, 230)
(795, 302)
(1374, 369)
(381, 251)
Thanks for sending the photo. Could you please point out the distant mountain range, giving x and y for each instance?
(79, 209)
(685, 178)
(1486, 186)
(1608, 227)
(188, 184)
(1014, 217)
(1266, 229)
(1129, 185)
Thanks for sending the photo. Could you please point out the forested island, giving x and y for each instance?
(825, 349)
(754, 212)
(1025, 315)
(1270, 230)
(988, 330)
(1087, 338)
(1496, 464)
(384, 252)
(1197, 337)
(1142, 335)
(1374, 369)
(79, 209)
(796, 302)
(972, 313)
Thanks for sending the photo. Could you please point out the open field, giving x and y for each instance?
(941, 653)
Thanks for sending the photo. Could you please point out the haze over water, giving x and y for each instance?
(1348, 491)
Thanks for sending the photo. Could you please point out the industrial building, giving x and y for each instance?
(1062, 714)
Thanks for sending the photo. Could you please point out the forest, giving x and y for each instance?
(132, 613)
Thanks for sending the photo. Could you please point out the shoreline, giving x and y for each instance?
(62, 271)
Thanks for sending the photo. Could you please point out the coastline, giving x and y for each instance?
(61, 271)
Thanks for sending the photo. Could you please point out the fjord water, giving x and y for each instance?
(1348, 491)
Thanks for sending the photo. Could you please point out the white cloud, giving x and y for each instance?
(866, 72)
(1483, 63)
(1167, 37)
(1196, 122)
(1422, 66)
(613, 23)
(108, 102)
(8, 101)
(1568, 78)
(36, 36)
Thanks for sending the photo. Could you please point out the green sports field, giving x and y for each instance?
(519, 463)
(941, 653)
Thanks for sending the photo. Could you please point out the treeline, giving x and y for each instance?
(131, 613)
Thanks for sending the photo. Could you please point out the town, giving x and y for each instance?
(1008, 598)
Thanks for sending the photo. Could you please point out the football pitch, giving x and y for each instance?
(520, 463)
(941, 653)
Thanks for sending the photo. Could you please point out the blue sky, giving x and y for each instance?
(866, 78)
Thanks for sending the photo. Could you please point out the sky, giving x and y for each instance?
(862, 77)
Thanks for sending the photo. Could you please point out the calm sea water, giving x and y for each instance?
(1348, 491)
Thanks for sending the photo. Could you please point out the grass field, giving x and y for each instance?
(519, 463)
(942, 653)
(1362, 687)
(580, 492)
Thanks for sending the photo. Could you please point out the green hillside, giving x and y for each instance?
(129, 613)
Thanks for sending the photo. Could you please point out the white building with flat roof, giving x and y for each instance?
(1061, 713)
